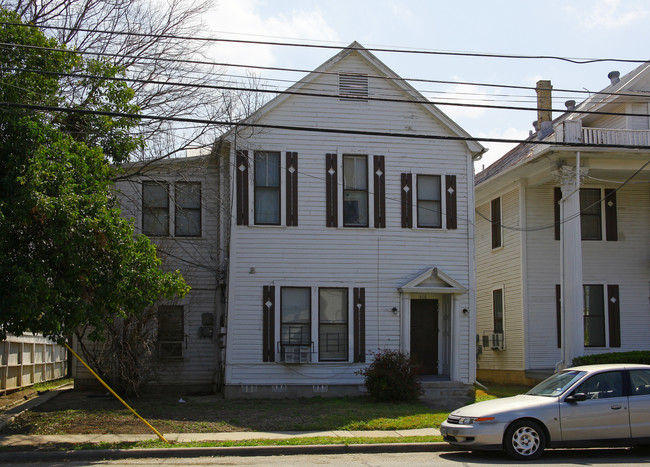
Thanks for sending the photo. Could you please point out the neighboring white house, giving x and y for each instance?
(335, 222)
(563, 250)
(351, 233)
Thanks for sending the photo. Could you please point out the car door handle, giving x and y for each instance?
(616, 407)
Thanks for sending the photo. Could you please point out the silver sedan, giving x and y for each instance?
(591, 405)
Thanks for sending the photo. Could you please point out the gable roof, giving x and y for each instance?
(524, 152)
(432, 280)
(383, 71)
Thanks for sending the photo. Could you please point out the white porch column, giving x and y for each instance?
(571, 264)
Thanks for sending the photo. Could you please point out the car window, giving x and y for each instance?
(602, 386)
(556, 384)
(640, 382)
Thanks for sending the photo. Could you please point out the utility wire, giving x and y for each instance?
(298, 70)
(320, 94)
(579, 61)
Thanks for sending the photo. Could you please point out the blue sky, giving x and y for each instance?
(567, 28)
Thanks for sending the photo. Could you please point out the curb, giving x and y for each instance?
(244, 451)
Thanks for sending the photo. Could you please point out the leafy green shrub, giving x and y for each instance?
(637, 356)
(390, 377)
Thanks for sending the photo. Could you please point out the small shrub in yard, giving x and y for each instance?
(390, 377)
(637, 356)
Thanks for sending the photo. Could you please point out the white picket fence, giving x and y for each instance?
(28, 360)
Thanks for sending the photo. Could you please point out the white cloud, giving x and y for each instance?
(246, 20)
(609, 14)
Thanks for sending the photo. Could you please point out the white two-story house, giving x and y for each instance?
(563, 250)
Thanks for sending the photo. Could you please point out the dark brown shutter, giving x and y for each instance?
(268, 324)
(452, 214)
(359, 324)
(331, 188)
(241, 176)
(380, 192)
(495, 216)
(407, 201)
(557, 197)
(614, 312)
(611, 224)
(558, 314)
(292, 189)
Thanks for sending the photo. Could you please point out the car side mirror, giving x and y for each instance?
(578, 397)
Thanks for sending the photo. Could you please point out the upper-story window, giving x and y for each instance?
(429, 201)
(155, 208)
(188, 209)
(355, 191)
(591, 221)
(267, 188)
(598, 214)
(156, 205)
(495, 216)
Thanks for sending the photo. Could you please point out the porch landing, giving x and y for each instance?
(441, 394)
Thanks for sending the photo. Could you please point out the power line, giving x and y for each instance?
(320, 94)
(299, 70)
(578, 61)
(243, 123)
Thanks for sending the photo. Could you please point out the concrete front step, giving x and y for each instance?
(446, 395)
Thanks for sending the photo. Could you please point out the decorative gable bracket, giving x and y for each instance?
(433, 281)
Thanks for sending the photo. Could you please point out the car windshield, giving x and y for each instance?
(556, 384)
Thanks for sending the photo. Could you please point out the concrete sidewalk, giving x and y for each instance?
(39, 440)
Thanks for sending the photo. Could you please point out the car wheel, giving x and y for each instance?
(524, 440)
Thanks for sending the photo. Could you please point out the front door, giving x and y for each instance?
(424, 336)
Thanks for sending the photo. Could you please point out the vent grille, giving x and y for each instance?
(353, 86)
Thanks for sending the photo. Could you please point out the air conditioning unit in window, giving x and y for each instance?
(295, 354)
(494, 341)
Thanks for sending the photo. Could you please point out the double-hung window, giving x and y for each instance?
(295, 316)
(155, 208)
(598, 218)
(355, 190)
(497, 310)
(267, 188)
(171, 331)
(594, 315)
(591, 221)
(188, 209)
(333, 324)
(495, 216)
(429, 201)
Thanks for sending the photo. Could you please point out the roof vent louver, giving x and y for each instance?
(353, 86)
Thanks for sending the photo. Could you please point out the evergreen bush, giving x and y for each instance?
(390, 377)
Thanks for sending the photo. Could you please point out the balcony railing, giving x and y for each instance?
(616, 136)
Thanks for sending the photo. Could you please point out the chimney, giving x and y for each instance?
(543, 91)
(614, 76)
(570, 104)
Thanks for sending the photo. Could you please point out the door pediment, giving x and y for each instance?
(432, 281)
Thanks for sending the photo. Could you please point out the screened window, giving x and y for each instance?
(267, 188)
(333, 324)
(495, 215)
(155, 208)
(188, 209)
(171, 331)
(497, 309)
(590, 214)
(594, 315)
(295, 303)
(429, 204)
(355, 191)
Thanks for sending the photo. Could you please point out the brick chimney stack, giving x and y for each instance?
(544, 104)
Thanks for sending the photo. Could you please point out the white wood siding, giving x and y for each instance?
(500, 269)
(311, 254)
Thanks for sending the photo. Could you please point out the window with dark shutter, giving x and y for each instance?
(331, 191)
(267, 188)
(558, 314)
(407, 200)
(614, 317)
(380, 192)
(495, 216)
(590, 214)
(292, 188)
(268, 323)
(557, 197)
(241, 182)
(594, 315)
(355, 190)
(359, 314)
(333, 324)
(429, 201)
(452, 213)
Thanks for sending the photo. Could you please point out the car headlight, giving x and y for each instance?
(472, 420)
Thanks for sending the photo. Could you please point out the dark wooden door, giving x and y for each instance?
(424, 336)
